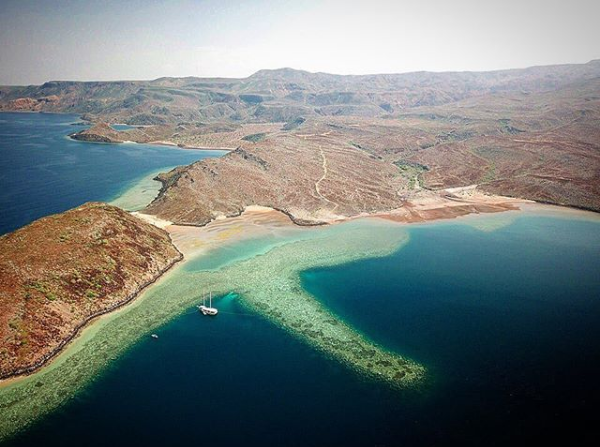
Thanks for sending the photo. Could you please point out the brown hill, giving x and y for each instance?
(313, 175)
(61, 271)
(318, 145)
(543, 146)
(280, 95)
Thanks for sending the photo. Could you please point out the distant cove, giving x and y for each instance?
(43, 172)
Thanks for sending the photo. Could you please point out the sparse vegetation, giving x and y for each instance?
(411, 171)
(255, 138)
(490, 174)
(60, 270)
(91, 294)
(295, 123)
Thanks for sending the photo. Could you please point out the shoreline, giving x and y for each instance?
(152, 143)
(27, 371)
(183, 146)
(90, 123)
(229, 149)
(176, 234)
(441, 204)
(192, 241)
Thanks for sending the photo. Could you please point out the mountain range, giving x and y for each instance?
(321, 147)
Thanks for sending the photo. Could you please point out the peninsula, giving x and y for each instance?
(62, 271)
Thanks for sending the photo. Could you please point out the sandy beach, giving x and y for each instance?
(255, 221)
(184, 146)
(258, 221)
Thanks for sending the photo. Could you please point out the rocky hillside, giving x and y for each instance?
(543, 146)
(99, 133)
(60, 271)
(279, 95)
(318, 146)
(313, 175)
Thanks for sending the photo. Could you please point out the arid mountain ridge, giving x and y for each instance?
(280, 95)
(324, 147)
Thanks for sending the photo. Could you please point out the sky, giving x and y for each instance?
(42, 40)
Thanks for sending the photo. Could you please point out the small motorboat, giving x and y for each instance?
(208, 310)
(154, 336)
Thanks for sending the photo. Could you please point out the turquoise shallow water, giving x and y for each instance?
(43, 172)
(506, 323)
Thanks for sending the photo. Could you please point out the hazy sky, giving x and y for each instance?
(108, 40)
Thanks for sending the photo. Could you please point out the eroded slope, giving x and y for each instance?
(313, 174)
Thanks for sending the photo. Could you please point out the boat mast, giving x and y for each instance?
(210, 305)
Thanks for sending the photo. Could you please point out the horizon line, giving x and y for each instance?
(595, 60)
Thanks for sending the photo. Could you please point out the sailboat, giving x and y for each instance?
(210, 311)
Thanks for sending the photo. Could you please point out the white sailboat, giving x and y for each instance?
(210, 311)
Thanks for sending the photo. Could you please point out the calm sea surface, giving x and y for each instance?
(507, 323)
(43, 172)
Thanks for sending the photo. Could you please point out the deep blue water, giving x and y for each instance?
(508, 324)
(43, 172)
